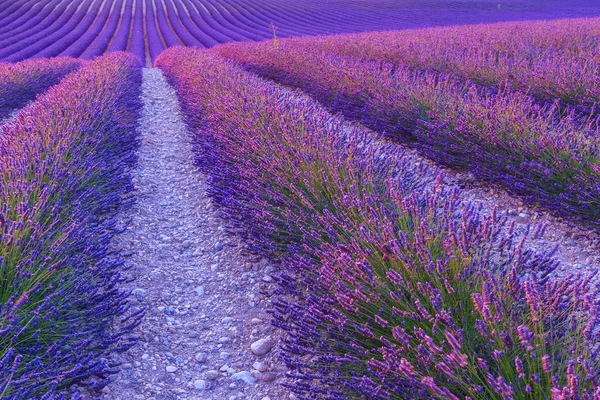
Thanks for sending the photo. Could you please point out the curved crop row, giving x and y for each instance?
(549, 59)
(49, 28)
(505, 137)
(21, 82)
(63, 167)
(391, 288)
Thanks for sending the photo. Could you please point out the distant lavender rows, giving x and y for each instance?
(63, 166)
(87, 28)
(391, 288)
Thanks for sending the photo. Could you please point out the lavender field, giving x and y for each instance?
(283, 200)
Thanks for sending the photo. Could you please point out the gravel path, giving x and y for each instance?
(204, 296)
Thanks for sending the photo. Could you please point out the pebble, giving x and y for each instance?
(201, 357)
(244, 376)
(199, 291)
(171, 368)
(268, 377)
(218, 247)
(256, 321)
(138, 292)
(223, 340)
(261, 346)
(260, 366)
(200, 384)
(212, 375)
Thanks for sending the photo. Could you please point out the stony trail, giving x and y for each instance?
(204, 295)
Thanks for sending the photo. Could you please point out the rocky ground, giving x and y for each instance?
(206, 334)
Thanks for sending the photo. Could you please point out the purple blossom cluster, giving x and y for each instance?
(88, 28)
(391, 288)
(64, 162)
(21, 82)
(544, 153)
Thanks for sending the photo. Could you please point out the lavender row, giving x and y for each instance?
(540, 152)
(390, 287)
(64, 163)
(549, 59)
(48, 28)
(21, 82)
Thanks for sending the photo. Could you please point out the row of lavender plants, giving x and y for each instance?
(390, 287)
(64, 163)
(546, 155)
(21, 82)
(549, 59)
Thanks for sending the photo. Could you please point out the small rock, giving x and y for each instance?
(267, 278)
(126, 366)
(266, 398)
(106, 390)
(170, 311)
(224, 340)
(218, 247)
(171, 368)
(201, 357)
(226, 320)
(260, 366)
(138, 292)
(137, 364)
(212, 375)
(244, 376)
(256, 321)
(200, 384)
(261, 346)
(268, 377)
(199, 291)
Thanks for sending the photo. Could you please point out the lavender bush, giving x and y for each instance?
(64, 162)
(546, 155)
(21, 82)
(391, 288)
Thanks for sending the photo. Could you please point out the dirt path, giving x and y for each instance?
(203, 295)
